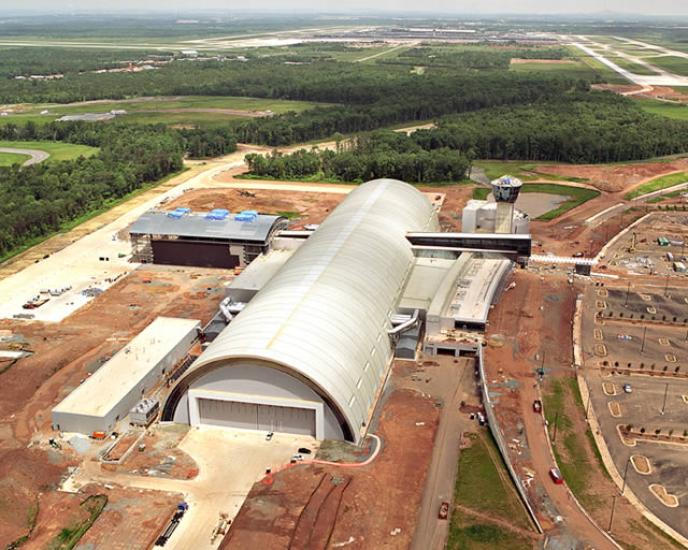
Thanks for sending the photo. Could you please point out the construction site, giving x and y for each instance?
(237, 364)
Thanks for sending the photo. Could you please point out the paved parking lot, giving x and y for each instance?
(652, 358)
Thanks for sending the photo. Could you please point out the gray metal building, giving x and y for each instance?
(199, 239)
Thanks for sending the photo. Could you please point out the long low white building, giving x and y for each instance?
(108, 395)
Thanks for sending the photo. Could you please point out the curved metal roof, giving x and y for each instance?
(326, 313)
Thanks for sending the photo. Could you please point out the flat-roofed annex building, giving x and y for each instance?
(201, 239)
(310, 352)
(108, 395)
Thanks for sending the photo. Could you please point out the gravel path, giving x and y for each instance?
(36, 155)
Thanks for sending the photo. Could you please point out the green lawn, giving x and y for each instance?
(605, 73)
(56, 149)
(569, 447)
(165, 110)
(574, 69)
(678, 111)
(8, 159)
(466, 534)
(676, 65)
(483, 483)
(662, 182)
(635, 68)
(577, 196)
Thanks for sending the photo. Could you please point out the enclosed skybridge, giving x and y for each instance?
(514, 246)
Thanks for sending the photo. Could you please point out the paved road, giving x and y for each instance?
(229, 462)
(452, 383)
(36, 155)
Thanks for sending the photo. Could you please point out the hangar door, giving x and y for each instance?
(253, 416)
(193, 253)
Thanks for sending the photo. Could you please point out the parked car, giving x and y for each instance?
(481, 418)
(555, 474)
(537, 406)
(444, 511)
(627, 388)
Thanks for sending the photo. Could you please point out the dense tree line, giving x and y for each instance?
(38, 199)
(594, 127)
(382, 154)
(196, 143)
(424, 99)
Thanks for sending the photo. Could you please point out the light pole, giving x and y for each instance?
(623, 487)
(666, 391)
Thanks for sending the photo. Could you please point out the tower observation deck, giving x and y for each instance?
(505, 191)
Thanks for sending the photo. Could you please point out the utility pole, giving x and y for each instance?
(666, 287)
(666, 391)
(642, 347)
(623, 487)
(628, 291)
(611, 518)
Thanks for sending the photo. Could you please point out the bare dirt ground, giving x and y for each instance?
(519, 61)
(64, 354)
(654, 92)
(535, 319)
(161, 457)
(617, 177)
(292, 510)
(305, 208)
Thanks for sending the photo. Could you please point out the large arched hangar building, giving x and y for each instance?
(311, 351)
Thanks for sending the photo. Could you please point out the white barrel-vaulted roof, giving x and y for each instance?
(324, 316)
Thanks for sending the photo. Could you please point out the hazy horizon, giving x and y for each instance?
(362, 7)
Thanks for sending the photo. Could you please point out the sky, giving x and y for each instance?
(540, 7)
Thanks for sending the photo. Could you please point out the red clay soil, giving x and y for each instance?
(64, 353)
(665, 92)
(618, 88)
(570, 234)
(615, 177)
(310, 207)
(132, 520)
(373, 506)
(529, 333)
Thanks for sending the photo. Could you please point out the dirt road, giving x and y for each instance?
(521, 321)
(452, 383)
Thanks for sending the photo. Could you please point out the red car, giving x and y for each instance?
(444, 510)
(537, 406)
(555, 474)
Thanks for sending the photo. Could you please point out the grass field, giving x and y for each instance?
(165, 110)
(575, 69)
(577, 196)
(483, 485)
(662, 182)
(604, 72)
(635, 68)
(8, 159)
(524, 170)
(569, 448)
(677, 111)
(56, 149)
(676, 65)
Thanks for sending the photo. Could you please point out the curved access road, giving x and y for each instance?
(36, 155)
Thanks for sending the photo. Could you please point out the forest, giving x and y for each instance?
(36, 200)
(592, 127)
(383, 154)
